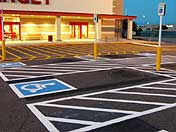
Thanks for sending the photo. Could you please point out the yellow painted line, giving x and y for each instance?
(35, 52)
(53, 50)
(18, 57)
(38, 48)
(32, 57)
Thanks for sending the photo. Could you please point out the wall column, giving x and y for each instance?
(58, 28)
(130, 29)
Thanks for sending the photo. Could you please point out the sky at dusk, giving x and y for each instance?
(147, 11)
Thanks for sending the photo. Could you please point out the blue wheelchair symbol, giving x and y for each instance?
(34, 88)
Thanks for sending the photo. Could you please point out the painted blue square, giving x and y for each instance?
(35, 88)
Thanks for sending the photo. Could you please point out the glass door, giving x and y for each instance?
(79, 30)
(12, 30)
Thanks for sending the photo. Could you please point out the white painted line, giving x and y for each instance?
(67, 98)
(123, 101)
(28, 72)
(24, 76)
(88, 108)
(3, 77)
(147, 45)
(100, 92)
(73, 121)
(158, 88)
(117, 120)
(67, 73)
(147, 94)
(42, 118)
(163, 131)
(65, 67)
(89, 66)
(151, 72)
(174, 84)
(40, 69)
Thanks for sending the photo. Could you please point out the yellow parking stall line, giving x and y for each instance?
(42, 50)
(52, 50)
(31, 56)
(45, 56)
(64, 50)
(18, 57)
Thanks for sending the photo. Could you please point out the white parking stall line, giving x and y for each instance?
(42, 118)
(78, 96)
(75, 121)
(158, 88)
(169, 83)
(16, 75)
(147, 94)
(88, 108)
(65, 67)
(39, 69)
(162, 131)
(164, 75)
(90, 66)
(3, 77)
(124, 118)
(33, 72)
(94, 125)
(122, 101)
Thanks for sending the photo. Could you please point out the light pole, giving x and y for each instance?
(161, 13)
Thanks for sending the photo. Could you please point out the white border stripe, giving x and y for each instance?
(42, 118)
(157, 88)
(101, 92)
(123, 101)
(148, 94)
(85, 129)
(73, 121)
(89, 108)
(3, 77)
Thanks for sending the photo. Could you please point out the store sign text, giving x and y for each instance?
(35, 2)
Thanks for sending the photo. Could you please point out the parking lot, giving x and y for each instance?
(117, 92)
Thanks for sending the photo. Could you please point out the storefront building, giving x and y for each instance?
(62, 19)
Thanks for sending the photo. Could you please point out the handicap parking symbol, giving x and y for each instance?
(35, 88)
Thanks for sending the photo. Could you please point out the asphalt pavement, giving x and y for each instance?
(118, 94)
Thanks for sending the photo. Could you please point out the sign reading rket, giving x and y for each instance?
(35, 2)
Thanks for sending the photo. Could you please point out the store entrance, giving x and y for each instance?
(78, 30)
(12, 30)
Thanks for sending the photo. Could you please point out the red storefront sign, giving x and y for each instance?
(35, 2)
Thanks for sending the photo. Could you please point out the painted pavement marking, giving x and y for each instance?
(90, 124)
(11, 64)
(56, 69)
(35, 88)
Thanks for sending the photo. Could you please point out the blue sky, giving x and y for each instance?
(146, 11)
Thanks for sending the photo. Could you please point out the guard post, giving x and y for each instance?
(95, 19)
(161, 13)
(2, 37)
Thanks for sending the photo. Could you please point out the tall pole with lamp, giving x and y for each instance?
(161, 13)
(95, 19)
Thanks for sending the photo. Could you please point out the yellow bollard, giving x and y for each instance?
(3, 51)
(158, 58)
(95, 51)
